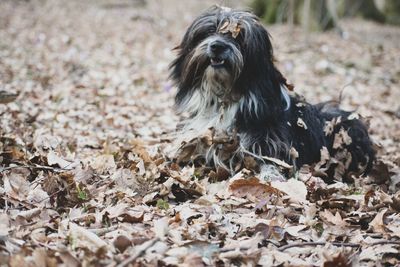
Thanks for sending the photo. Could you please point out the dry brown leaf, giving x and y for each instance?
(84, 238)
(28, 214)
(295, 189)
(301, 123)
(44, 141)
(339, 260)
(342, 139)
(333, 219)
(54, 159)
(4, 226)
(377, 224)
(232, 26)
(252, 188)
(122, 242)
(16, 185)
(294, 230)
(186, 151)
(68, 259)
(103, 164)
(375, 253)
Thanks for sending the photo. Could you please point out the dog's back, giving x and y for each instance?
(348, 142)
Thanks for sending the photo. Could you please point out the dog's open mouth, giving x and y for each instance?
(217, 62)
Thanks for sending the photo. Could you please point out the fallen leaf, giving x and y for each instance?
(295, 189)
(161, 227)
(103, 164)
(53, 159)
(301, 123)
(342, 139)
(251, 188)
(333, 219)
(84, 238)
(377, 224)
(122, 243)
(338, 261)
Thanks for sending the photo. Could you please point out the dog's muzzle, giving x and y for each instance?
(218, 52)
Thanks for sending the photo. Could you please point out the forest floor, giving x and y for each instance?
(84, 177)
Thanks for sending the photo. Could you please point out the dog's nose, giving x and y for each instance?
(218, 47)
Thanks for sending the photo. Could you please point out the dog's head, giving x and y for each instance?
(229, 54)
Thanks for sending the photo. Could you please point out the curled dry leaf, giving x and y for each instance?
(330, 125)
(377, 224)
(44, 141)
(301, 123)
(270, 231)
(84, 238)
(16, 185)
(54, 159)
(252, 188)
(333, 219)
(342, 139)
(28, 214)
(232, 26)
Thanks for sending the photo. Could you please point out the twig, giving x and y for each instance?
(140, 251)
(26, 166)
(377, 207)
(338, 244)
(305, 244)
(385, 242)
(102, 231)
(7, 97)
(39, 167)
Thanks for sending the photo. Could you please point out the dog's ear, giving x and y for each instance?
(260, 79)
(187, 79)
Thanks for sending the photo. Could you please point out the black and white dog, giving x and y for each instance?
(227, 81)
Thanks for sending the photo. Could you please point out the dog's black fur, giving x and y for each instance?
(226, 60)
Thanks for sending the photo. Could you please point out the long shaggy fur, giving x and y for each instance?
(227, 81)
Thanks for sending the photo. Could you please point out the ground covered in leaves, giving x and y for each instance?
(86, 119)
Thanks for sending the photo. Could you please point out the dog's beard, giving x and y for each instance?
(215, 76)
(219, 82)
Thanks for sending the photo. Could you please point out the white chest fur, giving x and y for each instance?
(206, 112)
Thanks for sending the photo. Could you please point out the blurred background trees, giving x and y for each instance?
(326, 14)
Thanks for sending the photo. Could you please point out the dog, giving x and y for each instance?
(226, 81)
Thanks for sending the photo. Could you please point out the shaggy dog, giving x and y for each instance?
(227, 82)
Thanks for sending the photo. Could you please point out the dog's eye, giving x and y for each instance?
(200, 36)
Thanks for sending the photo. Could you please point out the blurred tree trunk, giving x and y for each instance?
(383, 11)
(312, 14)
(392, 11)
(267, 9)
(369, 10)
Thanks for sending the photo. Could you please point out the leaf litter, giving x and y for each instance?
(86, 115)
